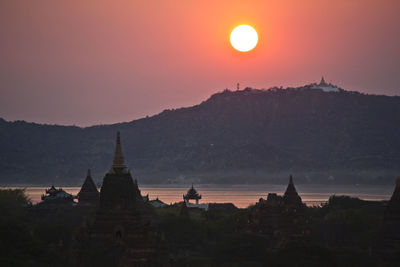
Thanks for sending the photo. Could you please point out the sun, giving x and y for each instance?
(244, 38)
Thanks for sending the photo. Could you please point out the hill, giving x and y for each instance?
(247, 136)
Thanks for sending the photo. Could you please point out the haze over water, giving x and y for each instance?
(243, 196)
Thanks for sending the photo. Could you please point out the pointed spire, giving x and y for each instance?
(322, 82)
(88, 192)
(291, 190)
(291, 197)
(118, 161)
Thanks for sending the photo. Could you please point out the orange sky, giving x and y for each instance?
(90, 62)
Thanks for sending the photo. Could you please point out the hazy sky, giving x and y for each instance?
(91, 62)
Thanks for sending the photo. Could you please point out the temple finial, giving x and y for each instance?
(88, 173)
(398, 182)
(291, 179)
(118, 161)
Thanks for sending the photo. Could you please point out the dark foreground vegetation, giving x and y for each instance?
(344, 232)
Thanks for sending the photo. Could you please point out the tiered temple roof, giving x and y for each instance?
(192, 194)
(57, 195)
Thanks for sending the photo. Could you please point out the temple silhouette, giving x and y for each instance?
(192, 194)
(88, 195)
(123, 220)
(277, 216)
(120, 223)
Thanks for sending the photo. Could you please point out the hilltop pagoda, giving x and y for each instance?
(123, 222)
(88, 195)
(324, 86)
(322, 82)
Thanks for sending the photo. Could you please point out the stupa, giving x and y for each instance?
(322, 82)
(123, 221)
(325, 87)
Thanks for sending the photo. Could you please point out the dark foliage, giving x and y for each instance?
(344, 232)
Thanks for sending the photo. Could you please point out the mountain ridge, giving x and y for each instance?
(249, 135)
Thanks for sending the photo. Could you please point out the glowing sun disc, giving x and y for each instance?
(244, 38)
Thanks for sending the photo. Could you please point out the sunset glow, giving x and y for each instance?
(244, 38)
(64, 61)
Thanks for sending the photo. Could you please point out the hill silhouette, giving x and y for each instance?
(247, 136)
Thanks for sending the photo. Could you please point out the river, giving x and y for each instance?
(245, 195)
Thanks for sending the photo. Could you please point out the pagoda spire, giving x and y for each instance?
(322, 82)
(291, 190)
(118, 161)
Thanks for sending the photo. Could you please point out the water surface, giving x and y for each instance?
(245, 195)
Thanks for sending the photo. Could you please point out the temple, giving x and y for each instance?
(291, 198)
(57, 196)
(324, 86)
(88, 195)
(278, 216)
(123, 222)
(193, 195)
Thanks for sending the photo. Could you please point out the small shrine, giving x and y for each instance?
(192, 195)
